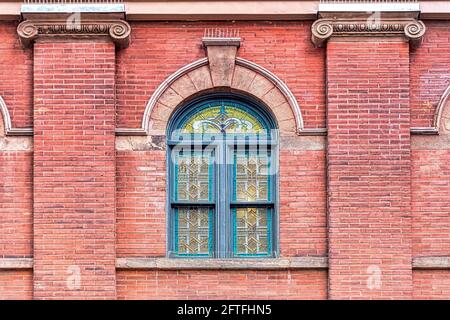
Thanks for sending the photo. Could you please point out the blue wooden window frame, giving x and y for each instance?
(222, 203)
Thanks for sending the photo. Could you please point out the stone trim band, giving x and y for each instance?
(118, 30)
(324, 29)
(223, 264)
(433, 262)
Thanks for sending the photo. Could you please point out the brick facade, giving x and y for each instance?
(75, 197)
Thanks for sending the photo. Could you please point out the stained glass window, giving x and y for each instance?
(193, 231)
(193, 173)
(252, 231)
(252, 179)
(222, 201)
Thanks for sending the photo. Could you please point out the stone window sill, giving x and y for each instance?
(16, 263)
(222, 264)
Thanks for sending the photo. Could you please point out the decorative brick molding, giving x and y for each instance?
(324, 29)
(221, 37)
(117, 30)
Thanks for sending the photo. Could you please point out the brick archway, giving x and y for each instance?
(237, 74)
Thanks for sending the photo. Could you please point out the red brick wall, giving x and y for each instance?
(16, 206)
(303, 230)
(221, 284)
(431, 201)
(16, 285)
(74, 169)
(431, 284)
(369, 169)
(141, 203)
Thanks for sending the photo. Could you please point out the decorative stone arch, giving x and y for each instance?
(6, 129)
(442, 114)
(224, 71)
(5, 124)
(12, 143)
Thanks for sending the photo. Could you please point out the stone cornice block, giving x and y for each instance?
(211, 41)
(324, 29)
(75, 25)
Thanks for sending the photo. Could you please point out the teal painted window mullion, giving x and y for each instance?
(176, 231)
(211, 232)
(269, 231)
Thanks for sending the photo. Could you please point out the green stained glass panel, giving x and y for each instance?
(223, 119)
(252, 179)
(252, 231)
(193, 177)
(193, 231)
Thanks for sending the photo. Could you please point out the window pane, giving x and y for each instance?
(252, 231)
(193, 177)
(252, 176)
(193, 231)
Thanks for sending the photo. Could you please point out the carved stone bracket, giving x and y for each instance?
(324, 29)
(118, 30)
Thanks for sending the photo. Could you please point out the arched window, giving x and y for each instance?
(222, 179)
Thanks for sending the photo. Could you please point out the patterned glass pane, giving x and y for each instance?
(223, 118)
(193, 177)
(252, 231)
(193, 231)
(252, 176)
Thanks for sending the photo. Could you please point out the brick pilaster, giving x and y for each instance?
(369, 163)
(74, 169)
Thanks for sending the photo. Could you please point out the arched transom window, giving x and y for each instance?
(222, 179)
